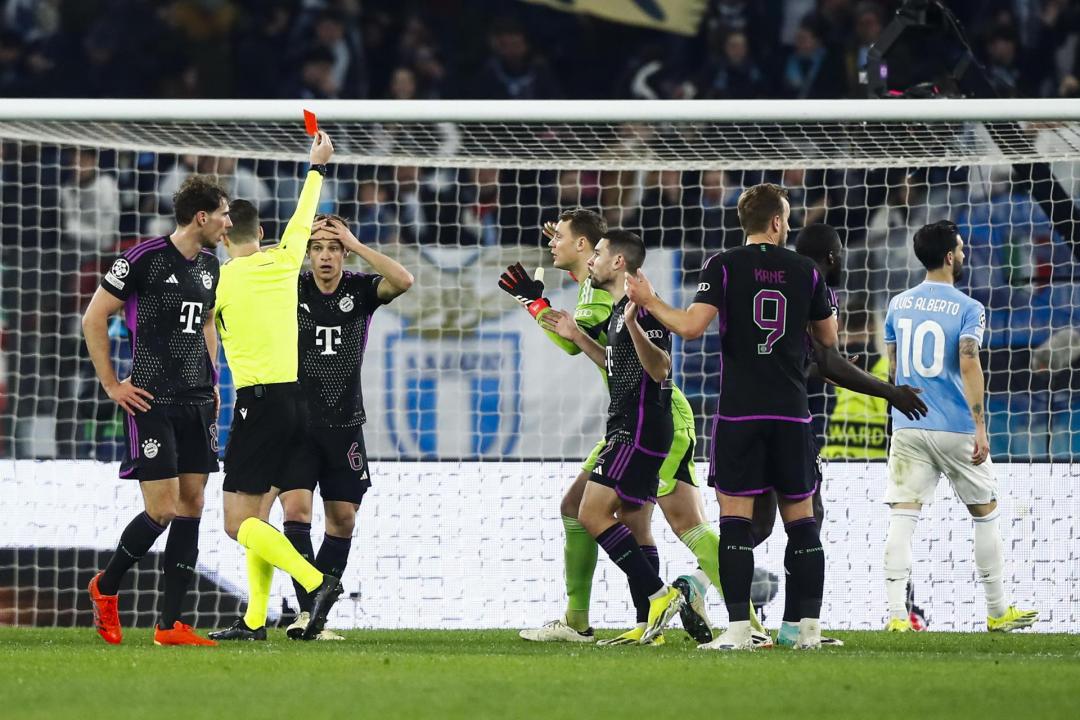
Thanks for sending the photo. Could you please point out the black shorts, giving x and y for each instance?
(168, 440)
(632, 472)
(267, 431)
(751, 457)
(335, 460)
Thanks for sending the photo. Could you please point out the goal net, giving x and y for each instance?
(477, 422)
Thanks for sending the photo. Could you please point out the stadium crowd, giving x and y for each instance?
(64, 212)
(493, 49)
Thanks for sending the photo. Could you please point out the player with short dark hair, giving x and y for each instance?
(334, 315)
(167, 288)
(639, 430)
(933, 333)
(256, 317)
(765, 297)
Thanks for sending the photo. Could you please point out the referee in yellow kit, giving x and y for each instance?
(256, 318)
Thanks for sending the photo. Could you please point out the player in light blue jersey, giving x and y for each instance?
(933, 333)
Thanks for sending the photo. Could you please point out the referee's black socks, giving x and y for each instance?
(299, 534)
(736, 557)
(804, 561)
(181, 554)
(136, 540)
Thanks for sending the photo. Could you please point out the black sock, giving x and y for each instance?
(181, 554)
(333, 555)
(624, 551)
(736, 558)
(299, 534)
(807, 565)
(136, 540)
(792, 611)
(641, 602)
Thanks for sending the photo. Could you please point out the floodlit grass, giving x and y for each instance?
(480, 674)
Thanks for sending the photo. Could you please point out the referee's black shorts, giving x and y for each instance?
(267, 430)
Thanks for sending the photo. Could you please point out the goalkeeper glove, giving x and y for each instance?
(527, 291)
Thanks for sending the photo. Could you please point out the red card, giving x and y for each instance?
(311, 125)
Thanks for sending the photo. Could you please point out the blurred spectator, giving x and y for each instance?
(330, 37)
(735, 76)
(203, 27)
(758, 20)
(513, 71)
(868, 26)
(807, 196)
(418, 52)
(812, 70)
(890, 265)
(374, 216)
(403, 84)
(12, 72)
(1002, 65)
(317, 80)
(259, 37)
(90, 207)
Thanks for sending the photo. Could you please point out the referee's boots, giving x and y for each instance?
(239, 631)
(324, 598)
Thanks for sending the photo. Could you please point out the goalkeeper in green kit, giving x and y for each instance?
(572, 241)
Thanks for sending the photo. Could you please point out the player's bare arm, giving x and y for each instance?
(563, 325)
(95, 325)
(975, 392)
(210, 333)
(655, 361)
(890, 350)
(396, 279)
(690, 323)
(834, 366)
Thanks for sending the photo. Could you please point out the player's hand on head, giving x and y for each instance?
(906, 399)
(549, 230)
(341, 232)
(129, 397)
(321, 148)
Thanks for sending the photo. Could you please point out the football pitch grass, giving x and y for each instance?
(485, 674)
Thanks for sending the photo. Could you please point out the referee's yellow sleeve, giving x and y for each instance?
(294, 241)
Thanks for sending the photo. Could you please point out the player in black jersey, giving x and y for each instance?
(766, 297)
(334, 313)
(637, 358)
(166, 287)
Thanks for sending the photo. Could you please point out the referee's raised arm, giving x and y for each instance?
(294, 240)
(256, 317)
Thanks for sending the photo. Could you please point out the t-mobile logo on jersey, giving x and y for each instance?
(190, 315)
(328, 337)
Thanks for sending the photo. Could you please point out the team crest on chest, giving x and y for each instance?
(346, 303)
(619, 323)
(207, 280)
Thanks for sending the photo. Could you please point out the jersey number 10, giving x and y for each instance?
(911, 346)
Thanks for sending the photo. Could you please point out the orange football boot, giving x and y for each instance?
(179, 634)
(106, 618)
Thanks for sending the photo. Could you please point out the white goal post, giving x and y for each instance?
(476, 421)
